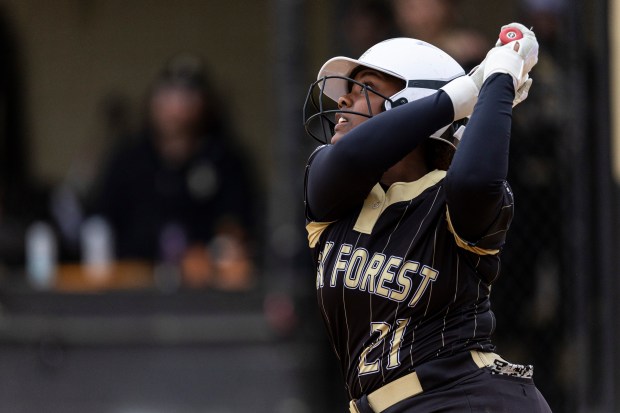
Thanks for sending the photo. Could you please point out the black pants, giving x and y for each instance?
(457, 385)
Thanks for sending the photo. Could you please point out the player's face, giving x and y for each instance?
(359, 100)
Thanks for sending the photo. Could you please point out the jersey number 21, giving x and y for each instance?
(383, 328)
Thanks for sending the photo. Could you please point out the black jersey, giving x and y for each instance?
(394, 287)
(397, 285)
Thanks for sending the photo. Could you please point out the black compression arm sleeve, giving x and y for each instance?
(475, 183)
(340, 176)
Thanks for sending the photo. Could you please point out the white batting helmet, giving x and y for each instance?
(423, 68)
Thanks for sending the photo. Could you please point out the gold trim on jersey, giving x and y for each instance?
(315, 229)
(378, 200)
(464, 244)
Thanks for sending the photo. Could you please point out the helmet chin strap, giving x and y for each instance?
(405, 95)
(409, 93)
(456, 132)
(391, 104)
(437, 134)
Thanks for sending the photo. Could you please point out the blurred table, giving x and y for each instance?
(127, 275)
(127, 304)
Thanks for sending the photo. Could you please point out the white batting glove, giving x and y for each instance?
(477, 75)
(516, 57)
(522, 93)
(463, 93)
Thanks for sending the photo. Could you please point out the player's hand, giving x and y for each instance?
(522, 93)
(514, 57)
(510, 33)
(529, 43)
(463, 93)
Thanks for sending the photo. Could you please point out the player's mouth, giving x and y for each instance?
(341, 122)
(340, 127)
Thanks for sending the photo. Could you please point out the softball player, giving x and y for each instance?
(406, 238)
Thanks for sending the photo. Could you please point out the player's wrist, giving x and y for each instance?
(463, 93)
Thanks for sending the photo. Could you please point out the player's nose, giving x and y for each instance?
(344, 102)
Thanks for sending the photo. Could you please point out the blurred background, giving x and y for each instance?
(152, 244)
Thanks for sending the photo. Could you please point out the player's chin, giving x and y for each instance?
(337, 136)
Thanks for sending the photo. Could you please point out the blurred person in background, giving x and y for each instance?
(434, 21)
(181, 194)
(367, 22)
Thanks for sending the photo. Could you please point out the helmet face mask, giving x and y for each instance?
(320, 109)
(422, 67)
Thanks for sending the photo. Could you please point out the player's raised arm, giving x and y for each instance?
(478, 197)
(341, 175)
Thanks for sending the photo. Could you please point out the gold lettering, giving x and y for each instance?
(387, 276)
(404, 281)
(357, 262)
(372, 269)
(321, 267)
(428, 275)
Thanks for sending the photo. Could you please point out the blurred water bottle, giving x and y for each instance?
(97, 246)
(41, 255)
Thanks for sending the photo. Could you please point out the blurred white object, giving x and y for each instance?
(41, 255)
(97, 246)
